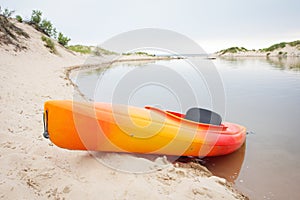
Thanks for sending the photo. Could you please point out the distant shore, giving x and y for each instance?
(281, 50)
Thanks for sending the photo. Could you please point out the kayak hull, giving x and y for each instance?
(120, 128)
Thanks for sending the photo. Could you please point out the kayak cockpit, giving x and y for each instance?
(179, 117)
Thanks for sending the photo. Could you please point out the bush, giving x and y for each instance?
(47, 27)
(19, 18)
(126, 54)
(275, 47)
(36, 17)
(49, 44)
(144, 53)
(233, 50)
(63, 40)
(294, 43)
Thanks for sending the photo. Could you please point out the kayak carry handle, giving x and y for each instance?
(45, 120)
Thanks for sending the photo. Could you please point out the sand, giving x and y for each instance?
(33, 168)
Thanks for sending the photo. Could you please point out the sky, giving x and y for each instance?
(213, 24)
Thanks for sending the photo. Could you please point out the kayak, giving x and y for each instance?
(98, 126)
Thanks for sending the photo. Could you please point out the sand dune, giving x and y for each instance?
(32, 168)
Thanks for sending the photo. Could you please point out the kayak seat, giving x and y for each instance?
(201, 115)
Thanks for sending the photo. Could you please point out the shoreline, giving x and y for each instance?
(106, 61)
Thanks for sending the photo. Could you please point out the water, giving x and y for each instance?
(264, 95)
(261, 94)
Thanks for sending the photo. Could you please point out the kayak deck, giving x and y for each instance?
(121, 128)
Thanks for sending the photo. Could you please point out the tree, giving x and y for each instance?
(63, 40)
(47, 27)
(36, 17)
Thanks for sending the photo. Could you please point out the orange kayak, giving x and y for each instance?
(121, 128)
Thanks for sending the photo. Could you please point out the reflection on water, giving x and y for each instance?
(284, 63)
(227, 166)
(167, 84)
(287, 63)
(262, 94)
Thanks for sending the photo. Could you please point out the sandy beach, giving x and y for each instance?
(33, 168)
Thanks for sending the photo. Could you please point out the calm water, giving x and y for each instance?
(261, 94)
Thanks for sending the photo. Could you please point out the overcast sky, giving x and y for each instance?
(214, 24)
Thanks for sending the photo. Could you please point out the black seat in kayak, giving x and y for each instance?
(203, 116)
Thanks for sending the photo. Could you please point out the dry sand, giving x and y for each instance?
(32, 168)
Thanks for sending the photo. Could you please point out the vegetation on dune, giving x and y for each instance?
(80, 49)
(281, 45)
(45, 26)
(233, 50)
(19, 18)
(294, 43)
(49, 44)
(98, 51)
(35, 21)
(144, 53)
(138, 53)
(126, 54)
(9, 33)
(48, 28)
(36, 17)
(274, 47)
(63, 40)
